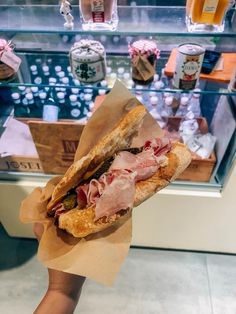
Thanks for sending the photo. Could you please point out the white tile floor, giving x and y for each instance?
(150, 282)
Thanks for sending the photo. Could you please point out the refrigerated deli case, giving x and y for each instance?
(195, 213)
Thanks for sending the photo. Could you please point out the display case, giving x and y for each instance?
(43, 43)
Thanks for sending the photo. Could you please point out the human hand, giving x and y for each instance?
(63, 291)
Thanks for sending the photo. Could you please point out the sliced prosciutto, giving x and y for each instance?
(115, 189)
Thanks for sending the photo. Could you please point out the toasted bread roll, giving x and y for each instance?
(81, 222)
(119, 138)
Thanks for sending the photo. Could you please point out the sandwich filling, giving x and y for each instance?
(111, 186)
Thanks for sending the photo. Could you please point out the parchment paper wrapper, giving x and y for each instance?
(142, 69)
(99, 256)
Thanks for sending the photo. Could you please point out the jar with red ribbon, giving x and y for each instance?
(144, 54)
(7, 65)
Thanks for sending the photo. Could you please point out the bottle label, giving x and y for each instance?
(10, 59)
(190, 68)
(90, 72)
(98, 11)
(50, 113)
(210, 6)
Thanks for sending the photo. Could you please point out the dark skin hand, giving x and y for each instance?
(63, 291)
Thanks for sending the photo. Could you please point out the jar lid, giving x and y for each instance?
(148, 47)
(87, 50)
(5, 45)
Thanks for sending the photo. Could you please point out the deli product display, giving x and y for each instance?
(178, 78)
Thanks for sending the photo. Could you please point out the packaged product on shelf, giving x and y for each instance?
(9, 62)
(65, 11)
(144, 54)
(50, 111)
(188, 66)
(206, 15)
(99, 14)
(188, 126)
(88, 61)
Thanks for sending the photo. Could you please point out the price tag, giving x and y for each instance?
(10, 59)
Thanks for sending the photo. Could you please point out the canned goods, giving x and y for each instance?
(188, 66)
(88, 61)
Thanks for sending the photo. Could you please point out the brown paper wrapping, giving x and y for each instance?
(99, 256)
(142, 69)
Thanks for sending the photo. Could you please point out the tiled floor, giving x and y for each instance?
(151, 282)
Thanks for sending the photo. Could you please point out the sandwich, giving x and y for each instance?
(102, 188)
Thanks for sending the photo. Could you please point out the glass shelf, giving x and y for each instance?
(24, 77)
(139, 20)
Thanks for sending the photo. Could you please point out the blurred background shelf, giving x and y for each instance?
(133, 20)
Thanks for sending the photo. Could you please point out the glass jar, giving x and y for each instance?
(6, 72)
(98, 14)
(144, 54)
(206, 15)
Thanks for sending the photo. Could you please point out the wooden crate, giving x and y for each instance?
(21, 164)
(56, 143)
(199, 170)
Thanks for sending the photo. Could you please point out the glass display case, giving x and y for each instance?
(42, 43)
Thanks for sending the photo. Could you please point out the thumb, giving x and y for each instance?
(38, 230)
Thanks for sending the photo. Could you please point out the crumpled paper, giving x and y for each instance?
(98, 256)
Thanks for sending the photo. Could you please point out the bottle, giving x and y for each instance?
(183, 107)
(112, 79)
(158, 118)
(76, 82)
(206, 15)
(38, 80)
(65, 82)
(75, 113)
(126, 77)
(35, 91)
(69, 70)
(87, 101)
(16, 98)
(38, 60)
(30, 98)
(42, 97)
(73, 100)
(130, 84)
(188, 126)
(167, 109)
(194, 104)
(34, 69)
(50, 111)
(21, 108)
(57, 69)
(89, 115)
(164, 78)
(52, 81)
(151, 94)
(22, 90)
(25, 104)
(154, 102)
(159, 85)
(101, 92)
(155, 78)
(61, 75)
(98, 15)
(45, 69)
(74, 90)
(103, 83)
(120, 72)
